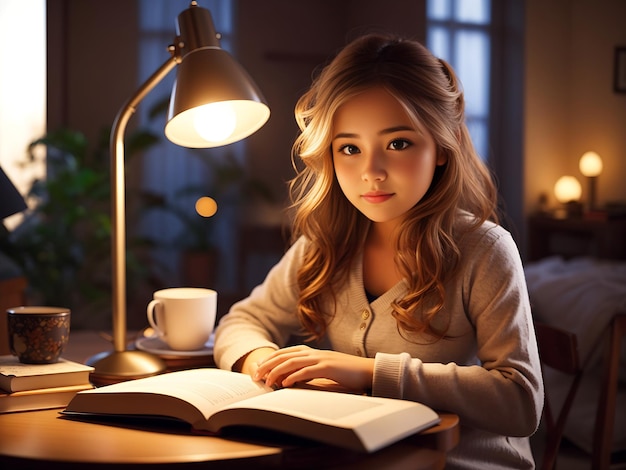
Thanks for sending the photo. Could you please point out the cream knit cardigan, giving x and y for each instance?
(487, 372)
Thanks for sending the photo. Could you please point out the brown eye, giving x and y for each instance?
(349, 149)
(399, 144)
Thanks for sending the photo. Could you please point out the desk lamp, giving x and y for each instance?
(590, 165)
(214, 102)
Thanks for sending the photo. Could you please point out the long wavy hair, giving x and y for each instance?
(427, 252)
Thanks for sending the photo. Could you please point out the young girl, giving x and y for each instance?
(398, 271)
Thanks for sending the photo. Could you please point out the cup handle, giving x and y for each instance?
(152, 306)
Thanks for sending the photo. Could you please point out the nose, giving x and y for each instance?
(373, 167)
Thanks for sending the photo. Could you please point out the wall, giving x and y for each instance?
(570, 105)
(282, 56)
(92, 50)
(599, 116)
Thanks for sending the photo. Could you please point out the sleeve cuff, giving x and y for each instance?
(389, 373)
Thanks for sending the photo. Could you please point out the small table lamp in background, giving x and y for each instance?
(590, 165)
(214, 102)
(567, 191)
(11, 201)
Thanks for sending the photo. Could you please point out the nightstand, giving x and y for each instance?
(576, 236)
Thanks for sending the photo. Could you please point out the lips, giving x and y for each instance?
(376, 197)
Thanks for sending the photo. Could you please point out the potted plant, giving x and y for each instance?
(63, 244)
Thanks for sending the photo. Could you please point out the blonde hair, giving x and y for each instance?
(427, 250)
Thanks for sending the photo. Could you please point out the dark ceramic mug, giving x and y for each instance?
(38, 335)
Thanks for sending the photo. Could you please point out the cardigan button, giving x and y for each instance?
(365, 315)
(362, 326)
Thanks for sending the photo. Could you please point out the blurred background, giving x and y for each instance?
(541, 82)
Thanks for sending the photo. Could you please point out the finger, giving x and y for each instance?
(256, 374)
(294, 365)
(287, 351)
(299, 376)
(271, 362)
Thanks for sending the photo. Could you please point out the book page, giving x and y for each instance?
(324, 407)
(205, 389)
(354, 421)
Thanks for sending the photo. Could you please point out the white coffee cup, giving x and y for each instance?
(183, 317)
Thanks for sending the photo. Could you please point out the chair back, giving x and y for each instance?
(558, 349)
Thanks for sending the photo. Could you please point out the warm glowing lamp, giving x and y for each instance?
(590, 165)
(567, 189)
(214, 102)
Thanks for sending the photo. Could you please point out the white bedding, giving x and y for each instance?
(581, 295)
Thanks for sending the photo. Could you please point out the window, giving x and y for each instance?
(458, 31)
(483, 41)
(22, 91)
(172, 172)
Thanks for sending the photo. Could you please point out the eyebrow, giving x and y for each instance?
(389, 130)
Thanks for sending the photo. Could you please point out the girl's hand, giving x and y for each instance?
(288, 366)
(248, 364)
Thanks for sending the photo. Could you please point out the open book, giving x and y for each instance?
(212, 399)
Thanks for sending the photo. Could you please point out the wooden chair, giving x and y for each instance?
(558, 349)
(607, 404)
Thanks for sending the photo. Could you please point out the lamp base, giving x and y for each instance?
(118, 366)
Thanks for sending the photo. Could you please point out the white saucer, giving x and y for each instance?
(155, 345)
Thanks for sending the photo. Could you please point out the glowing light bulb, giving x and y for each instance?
(590, 164)
(567, 189)
(206, 206)
(215, 122)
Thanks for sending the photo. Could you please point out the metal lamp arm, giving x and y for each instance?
(118, 254)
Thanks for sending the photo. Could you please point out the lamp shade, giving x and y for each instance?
(11, 201)
(590, 164)
(214, 101)
(567, 189)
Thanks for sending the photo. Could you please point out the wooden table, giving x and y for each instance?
(45, 439)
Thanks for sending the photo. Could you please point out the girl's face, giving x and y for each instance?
(383, 162)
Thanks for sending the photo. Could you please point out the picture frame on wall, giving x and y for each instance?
(619, 84)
